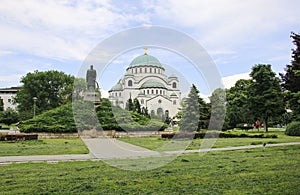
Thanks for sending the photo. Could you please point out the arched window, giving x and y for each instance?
(130, 83)
(154, 70)
(150, 70)
(174, 85)
(145, 70)
(142, 101)
(156, 91)
(152, 91)
(174, 102)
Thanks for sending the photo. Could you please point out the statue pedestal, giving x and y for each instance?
(92, 96)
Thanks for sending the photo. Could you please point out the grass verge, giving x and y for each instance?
(43, 147)
(270, 171)
(158, 144)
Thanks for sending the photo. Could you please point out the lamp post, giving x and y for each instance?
(34, 105)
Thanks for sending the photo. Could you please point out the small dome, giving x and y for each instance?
(173, 95)
(152, 84)
(145, 60)
(117, 87)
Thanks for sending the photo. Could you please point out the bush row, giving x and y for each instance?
(201, 135)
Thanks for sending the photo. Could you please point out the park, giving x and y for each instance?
(150, 111)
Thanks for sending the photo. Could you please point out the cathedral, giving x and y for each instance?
(145, 79)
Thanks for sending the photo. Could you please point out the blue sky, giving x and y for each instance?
(58, 35)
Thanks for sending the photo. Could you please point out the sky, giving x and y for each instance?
(59, 35)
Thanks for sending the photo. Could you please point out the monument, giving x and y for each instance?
(92, 92)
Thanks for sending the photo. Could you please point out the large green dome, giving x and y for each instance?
(145, 60)
(152, 84)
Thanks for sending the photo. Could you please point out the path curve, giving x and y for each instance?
(108, 148)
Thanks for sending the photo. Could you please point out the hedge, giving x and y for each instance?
(201, 135)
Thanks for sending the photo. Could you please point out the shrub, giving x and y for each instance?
(201, 135)
(293, 129)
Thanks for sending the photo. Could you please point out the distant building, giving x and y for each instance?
(145, 80)
(8, 94)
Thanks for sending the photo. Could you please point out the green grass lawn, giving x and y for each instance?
(158, 144)
(43, 147)
(256, 171)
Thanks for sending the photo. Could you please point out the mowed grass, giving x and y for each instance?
(158, 144)
(43, 147)
(271, 171)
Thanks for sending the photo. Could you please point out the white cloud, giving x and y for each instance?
(229, 81)
(59, 29)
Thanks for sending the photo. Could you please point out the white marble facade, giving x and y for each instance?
(145, 80)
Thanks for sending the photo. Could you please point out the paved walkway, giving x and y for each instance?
(108, 148)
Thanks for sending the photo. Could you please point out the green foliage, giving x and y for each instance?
(58, 120)
(137, 106)
(51, 88)
(218, 109)
(115, 118)
(265, 95)
(291, 79)
(190, 112)
(1, 104)
(293, 129)
(129, 105)
(237, 108)
(9, 117)
(79, 87)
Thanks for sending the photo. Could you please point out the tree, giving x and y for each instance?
(51, 88)
(291, 79)
(265, 95)
(218, 109)
(204, 113)
(237, 107)
(137, 106)
(9, 117)
(80, 86)
(1, 104)
(129, 105)
(190, 112)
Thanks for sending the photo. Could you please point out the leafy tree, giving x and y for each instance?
(265, 95)
(79, 87)
(291, 79)
(1, 104)
(218, 109)
(9, 117)
(51, 88)
(190, 112)
(237, 108)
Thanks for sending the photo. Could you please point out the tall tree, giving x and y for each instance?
(218, 109)
(265, 95)
(291, 79)
(237, 109)
(129, 105)
(1, 104)
(51, 89)
(137, 106)
(190, 112)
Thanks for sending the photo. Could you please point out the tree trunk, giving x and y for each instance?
(266, 124)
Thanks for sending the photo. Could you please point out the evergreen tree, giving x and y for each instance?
(265, 95)
(1, 104)
(190, 112)
(291, 79)
(218, 110)
(129, 105)
(137, 106)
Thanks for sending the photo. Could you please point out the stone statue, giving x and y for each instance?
(91, 75)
